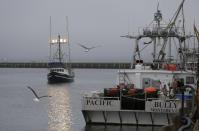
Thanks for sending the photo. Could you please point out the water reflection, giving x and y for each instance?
(59, 111)
(120, 128)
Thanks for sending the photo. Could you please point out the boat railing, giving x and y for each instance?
(101, 98)
(161, 99)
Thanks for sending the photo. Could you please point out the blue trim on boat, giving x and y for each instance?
(56, 65)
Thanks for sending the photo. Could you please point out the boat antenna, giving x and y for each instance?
(157, 19)
(158, 5)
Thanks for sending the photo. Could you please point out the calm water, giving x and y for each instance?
(62, 111)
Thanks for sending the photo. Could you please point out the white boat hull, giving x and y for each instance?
(107, 110)
(128, 117)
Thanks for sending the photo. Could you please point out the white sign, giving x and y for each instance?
(162, 106)
(101, 104)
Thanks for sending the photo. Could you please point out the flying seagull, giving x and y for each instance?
(36, 96)
(87, 49)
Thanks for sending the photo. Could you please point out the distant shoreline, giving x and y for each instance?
(97, 65)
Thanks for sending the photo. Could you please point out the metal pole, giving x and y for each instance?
(182, 109)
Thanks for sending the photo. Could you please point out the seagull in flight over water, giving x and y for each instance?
(36, 96)
(87, 49)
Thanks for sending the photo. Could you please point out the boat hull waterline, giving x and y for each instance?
(54, 77)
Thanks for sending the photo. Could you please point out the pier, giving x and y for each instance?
(95, 65)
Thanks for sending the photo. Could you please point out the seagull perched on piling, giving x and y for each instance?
(36, 96)
(87, 49)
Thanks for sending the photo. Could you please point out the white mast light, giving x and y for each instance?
(63, 40)
(54, 41)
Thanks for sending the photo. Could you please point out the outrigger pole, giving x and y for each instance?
(67, 31)
(50, 40)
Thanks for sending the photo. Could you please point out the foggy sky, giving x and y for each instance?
(24, 26)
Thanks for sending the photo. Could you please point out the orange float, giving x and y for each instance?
(149, 90)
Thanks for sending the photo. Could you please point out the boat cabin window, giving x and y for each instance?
(189, 80)
(147, 82)
(57, 70)
(180, 81)
(61, 70)
(156, 84)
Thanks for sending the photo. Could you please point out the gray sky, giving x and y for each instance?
(24, 26)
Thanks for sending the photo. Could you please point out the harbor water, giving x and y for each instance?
(61, 111)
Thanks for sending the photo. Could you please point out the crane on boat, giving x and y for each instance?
(158, 32)
(168, 29)
(196, 32)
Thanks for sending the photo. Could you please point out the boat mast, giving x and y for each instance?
(185, 48)
(157, 19)
(59, 48)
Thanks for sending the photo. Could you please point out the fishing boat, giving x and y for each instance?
(59, 68)
(147, 95)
